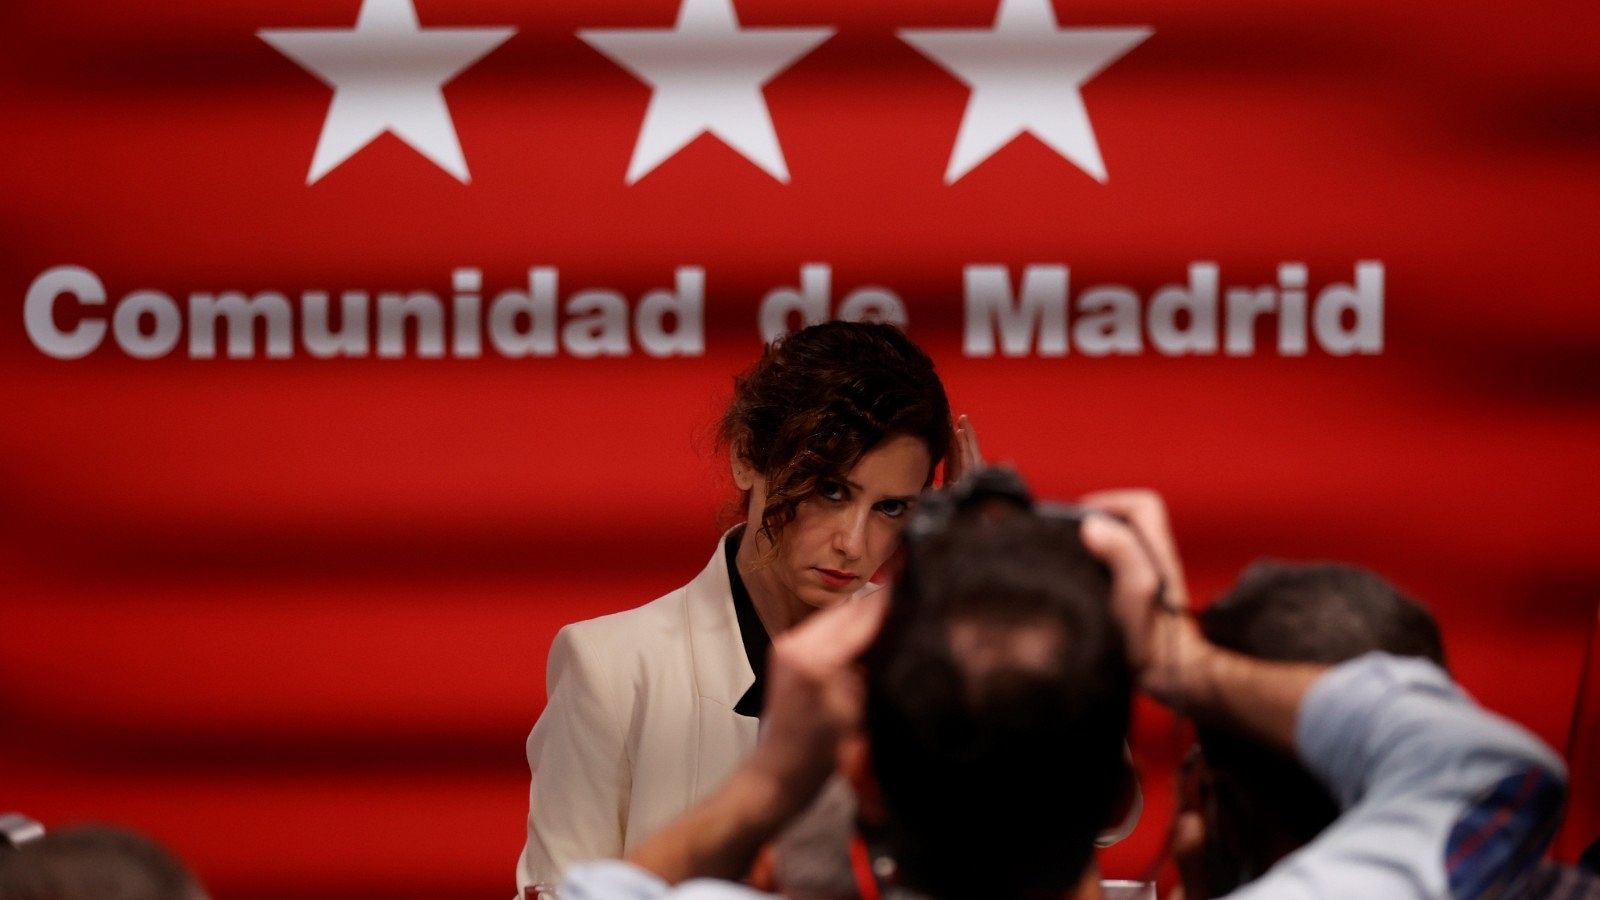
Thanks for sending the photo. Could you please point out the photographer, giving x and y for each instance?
(1255, 804)
(1250, 805)
(1437, 797)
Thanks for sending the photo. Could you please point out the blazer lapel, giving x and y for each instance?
(722, 675)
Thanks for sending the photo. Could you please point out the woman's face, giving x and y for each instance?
(844, 532)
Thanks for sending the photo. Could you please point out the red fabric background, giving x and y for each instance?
(291, 617)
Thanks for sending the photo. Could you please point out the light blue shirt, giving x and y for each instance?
(1440, 798)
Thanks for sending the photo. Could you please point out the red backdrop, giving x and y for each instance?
(290, 616)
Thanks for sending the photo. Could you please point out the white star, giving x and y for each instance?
(706, 74)
(387, 74)
(1025, 74)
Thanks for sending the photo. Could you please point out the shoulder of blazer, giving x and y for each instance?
(643, 629)
(694, 624)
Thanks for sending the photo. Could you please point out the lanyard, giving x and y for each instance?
(861, 867)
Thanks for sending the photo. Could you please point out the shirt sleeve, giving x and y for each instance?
(1440, 798)
(617, 880)
(578, 758)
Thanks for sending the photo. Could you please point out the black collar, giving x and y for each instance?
(751, 632)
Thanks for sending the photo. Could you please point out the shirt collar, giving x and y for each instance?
(751, 632)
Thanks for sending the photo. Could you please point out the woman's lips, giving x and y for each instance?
(834, 577)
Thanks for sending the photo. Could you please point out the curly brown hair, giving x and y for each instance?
(819, 398)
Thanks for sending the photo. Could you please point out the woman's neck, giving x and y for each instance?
(778, 607)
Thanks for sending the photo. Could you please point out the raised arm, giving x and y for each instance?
(814, 702)
(1438, 797)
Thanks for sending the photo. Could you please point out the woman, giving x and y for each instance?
(831, 435)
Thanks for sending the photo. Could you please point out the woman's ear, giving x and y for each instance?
(744, 474)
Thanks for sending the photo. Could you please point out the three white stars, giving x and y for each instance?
(706, 74)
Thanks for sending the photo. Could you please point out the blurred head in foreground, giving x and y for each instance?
(1257, 805)
(997, 702)
(94, 863)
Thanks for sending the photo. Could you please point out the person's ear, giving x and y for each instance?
(744, 474)
(855, 764)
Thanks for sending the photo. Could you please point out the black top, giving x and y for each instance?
(751, 632)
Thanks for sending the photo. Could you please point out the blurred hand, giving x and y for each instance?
(815, 698)
(815, 694)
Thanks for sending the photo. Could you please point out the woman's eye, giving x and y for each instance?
(830, 490)
(894, 509)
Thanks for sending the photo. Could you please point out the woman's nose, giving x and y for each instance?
(850, 537)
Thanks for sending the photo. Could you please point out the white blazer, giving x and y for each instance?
(638, 725)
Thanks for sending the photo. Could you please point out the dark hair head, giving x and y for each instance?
(1319, 612)
(997, 703)
(94, 863)
(1265, 804)
(819, 398)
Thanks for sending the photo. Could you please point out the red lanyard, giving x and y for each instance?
(861, 865)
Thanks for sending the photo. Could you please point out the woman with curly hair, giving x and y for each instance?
(831, 436)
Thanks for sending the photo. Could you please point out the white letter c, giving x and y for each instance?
(39, 312)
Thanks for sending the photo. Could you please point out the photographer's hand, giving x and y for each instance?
(1171, 658)
(814, 701)
(1150, 599)
(815, 693)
